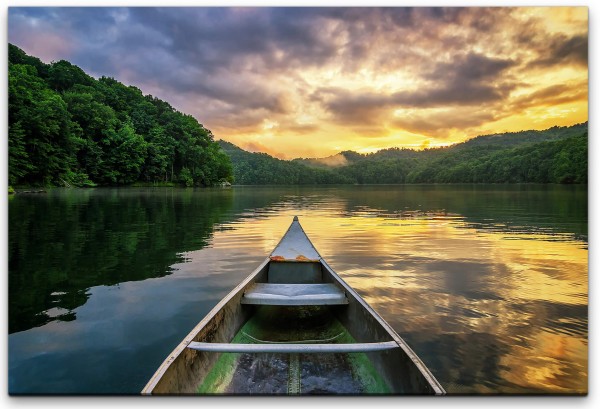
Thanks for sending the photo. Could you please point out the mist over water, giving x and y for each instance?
(487, 284)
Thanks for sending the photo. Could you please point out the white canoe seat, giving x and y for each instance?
(294, 294)
(293, 348)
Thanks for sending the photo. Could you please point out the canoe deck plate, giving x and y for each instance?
(295, 246)
(294, 294)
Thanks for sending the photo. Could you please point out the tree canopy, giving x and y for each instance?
(67, 127)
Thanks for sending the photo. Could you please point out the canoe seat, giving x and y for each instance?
(294, 294)
(292, 348)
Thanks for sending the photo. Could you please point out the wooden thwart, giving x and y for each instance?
(294, 294)
(292, 348)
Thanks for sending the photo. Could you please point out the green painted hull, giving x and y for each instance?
(296, 373)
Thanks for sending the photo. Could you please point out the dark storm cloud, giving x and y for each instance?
(212, 52)
(88, 23)
(470, 67)
(550, 50)
(196, 53)
(351, 107)
(218, 38)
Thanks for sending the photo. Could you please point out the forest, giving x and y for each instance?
(262, 169)
(69, 129)
(555, 155)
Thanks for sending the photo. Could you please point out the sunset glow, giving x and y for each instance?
(510, 296)
(311, 82)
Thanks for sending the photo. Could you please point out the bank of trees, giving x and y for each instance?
(556, 155)
(262, 169)
(65, 126)
(558, 161)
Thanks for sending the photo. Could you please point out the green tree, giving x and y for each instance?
(19, 164)
(39, 123)
(126, 152)
(63, 75)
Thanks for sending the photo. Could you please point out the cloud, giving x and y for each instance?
(334, 161)
(301, 129)
(553, 95)
(354, 108)
(471, 79)
(29, 28)
(564, 49)
(468, 80)
(439, 123)
(346, 69)
(260, 147)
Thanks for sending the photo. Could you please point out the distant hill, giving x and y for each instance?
(488, 142)
(262, 169)
(333, 161)
(554, 155)
(559, 160)
(511, 139)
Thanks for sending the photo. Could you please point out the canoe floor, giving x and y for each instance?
(278, 373)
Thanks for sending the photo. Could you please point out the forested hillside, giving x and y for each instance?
(262, 169)
(559, 161)
(555, 155)
(66, 127)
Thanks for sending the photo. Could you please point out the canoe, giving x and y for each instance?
(293, 326)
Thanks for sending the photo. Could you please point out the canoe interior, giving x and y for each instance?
(297, 373)
(188, 371)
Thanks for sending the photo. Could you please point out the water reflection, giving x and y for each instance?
(487, 284)
(487, 314)
(63, 243)
(492, 307)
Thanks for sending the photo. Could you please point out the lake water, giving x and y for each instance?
(488, 284)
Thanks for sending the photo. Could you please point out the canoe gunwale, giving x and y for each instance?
(194, 332)
(433, 382)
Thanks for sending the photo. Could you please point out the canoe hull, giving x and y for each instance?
(185, 369)
(293, 267)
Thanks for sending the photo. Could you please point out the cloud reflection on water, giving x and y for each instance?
(488, 311)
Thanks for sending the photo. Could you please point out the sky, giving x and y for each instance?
(311, 82)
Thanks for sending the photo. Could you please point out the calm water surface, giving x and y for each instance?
(488, 284)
